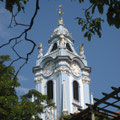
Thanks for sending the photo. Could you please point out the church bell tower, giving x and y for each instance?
(62, 74)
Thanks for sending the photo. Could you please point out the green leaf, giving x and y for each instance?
(9, 5)
(80, 21)
(22, 8)
(117, 21)
(89, 36)
(84, 26)
(100, 9)
(93, 9)
(88, 13)
(86, 34)
(92, 31)
(25, 1)
(99, 34)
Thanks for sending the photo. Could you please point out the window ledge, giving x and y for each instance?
(75, 102)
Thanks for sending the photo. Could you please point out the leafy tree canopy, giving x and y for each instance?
(8, 97)
(91, 25)
(11, 108)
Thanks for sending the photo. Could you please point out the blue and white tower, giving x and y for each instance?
(62, 74)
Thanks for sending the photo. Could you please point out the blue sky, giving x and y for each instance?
(103, 54)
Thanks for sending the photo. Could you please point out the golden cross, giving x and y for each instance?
(59, 10)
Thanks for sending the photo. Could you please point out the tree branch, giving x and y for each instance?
(24, 33)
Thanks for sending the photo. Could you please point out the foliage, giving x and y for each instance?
(10, 106)
(102, 116)
(67, 117)
(8, 97)
(10, 4)
(38, 106)
(91, 25)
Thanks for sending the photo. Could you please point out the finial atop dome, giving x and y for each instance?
(59, 11)
(60, 20)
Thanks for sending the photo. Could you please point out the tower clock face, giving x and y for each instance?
(48, 69)
(75, 69)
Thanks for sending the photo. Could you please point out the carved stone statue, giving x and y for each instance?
(60, 21)
(40, 49)
(62, 40)
(81, 49)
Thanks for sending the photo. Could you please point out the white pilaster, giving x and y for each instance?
(82, 94)
(64, 99)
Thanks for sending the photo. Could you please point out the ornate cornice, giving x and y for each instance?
(38, 79)
(87, 69)
(86, 79)
(63, 69)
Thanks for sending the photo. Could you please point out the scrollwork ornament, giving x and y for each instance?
(86, 79)
(49, 113)
(38, 79)
(48, 69)
(62, 69)
(75, 68)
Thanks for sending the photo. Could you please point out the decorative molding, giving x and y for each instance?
(48, 69)
(75, 69)
(49, 114)
(54, 33)
(38, 79)
(86, 79)
(38, 73)
(63, 69)
(47, 73)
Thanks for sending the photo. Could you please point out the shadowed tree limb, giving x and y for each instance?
(13, 19)
(25, 34)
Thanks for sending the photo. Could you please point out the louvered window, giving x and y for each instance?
(68, 47)
(54, 47)
(50, 89)
(75, 91)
